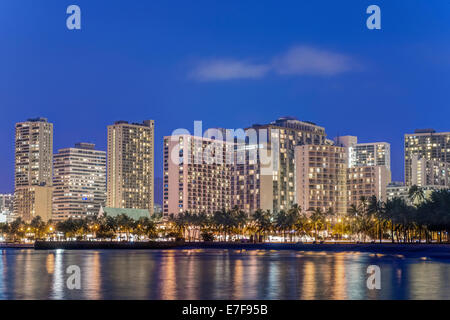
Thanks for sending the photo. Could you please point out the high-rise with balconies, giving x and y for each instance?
(426, 144)
(33, 169)
(320, 178)
(79, 184)
(197, 174)
(267, 181)
(130, 165)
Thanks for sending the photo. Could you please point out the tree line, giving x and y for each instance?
(415, 219)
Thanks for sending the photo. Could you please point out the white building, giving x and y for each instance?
(79, 182)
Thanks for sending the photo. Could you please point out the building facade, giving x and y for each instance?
(369, 168)
(365, 154)
(7, 202)
(130, 165)
(429, 172)
(321, 179)
(6, 207)
(33, 169)
(79, 184)
(367, 181)
(397, 189)
(197, 175)
(268, 180)
(33, 201)
(426, 144)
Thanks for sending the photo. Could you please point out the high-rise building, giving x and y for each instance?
(429, 172)
(366, 154)
(426, 144)
(33, 153)
(130, 165)
(79, 184)
(33, 169)
(197, 174)
(7, 202)
(367, 181)
(369, 168)
(320, 179)
(33, 201)
(271, 184)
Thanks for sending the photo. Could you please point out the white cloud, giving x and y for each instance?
(300, 60)
(305, 60)
(228, 70)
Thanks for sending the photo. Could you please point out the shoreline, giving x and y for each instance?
(431, 250)
(16, 245)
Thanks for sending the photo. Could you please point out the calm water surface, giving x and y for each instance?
(218, 274)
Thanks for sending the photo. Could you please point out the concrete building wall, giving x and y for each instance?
(197, 174)
(429, 172)
(130, 165)
(33, 168)
(425, 144)
(34, 201)
(321, 178)
(79, 182)
(366, 182)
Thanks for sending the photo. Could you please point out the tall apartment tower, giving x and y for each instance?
(130, 165)
(6, 202)
(33, 169)
(426, 144)
(320, 178)
(197, 174)
(79, 183)
(432, 173)
(272, 186)
(369, 168)
(366, 154)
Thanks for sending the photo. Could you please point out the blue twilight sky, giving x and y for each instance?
(229, 63)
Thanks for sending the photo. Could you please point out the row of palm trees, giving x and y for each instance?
(106, 227)
(398, 220)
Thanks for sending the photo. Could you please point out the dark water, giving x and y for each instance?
(218, 274)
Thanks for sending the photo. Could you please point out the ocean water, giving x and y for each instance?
(217, 274)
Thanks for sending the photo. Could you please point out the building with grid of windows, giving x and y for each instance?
(130, 165)
(267, 181)
(365, 154)
(426, 144)
(197, 174)
(33, 169)
(321, 179)
(429, 172)
(367, 181)
(79, 183)
(6, 207)
(368, 172)
(6, 202)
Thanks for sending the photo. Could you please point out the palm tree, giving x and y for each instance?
(376, 208)
(317, 217)
(38, 226)
(262, 222)
(416, 194)
(293, 215)
(16, 228)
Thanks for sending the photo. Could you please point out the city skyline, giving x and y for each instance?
(159, 157)
(148, 65)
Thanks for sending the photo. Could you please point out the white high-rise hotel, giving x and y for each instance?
(427, 158)
(130, 163)
(197, 174)
(79, 181)
(369, 168)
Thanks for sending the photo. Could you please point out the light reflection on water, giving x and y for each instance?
(218, 274)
